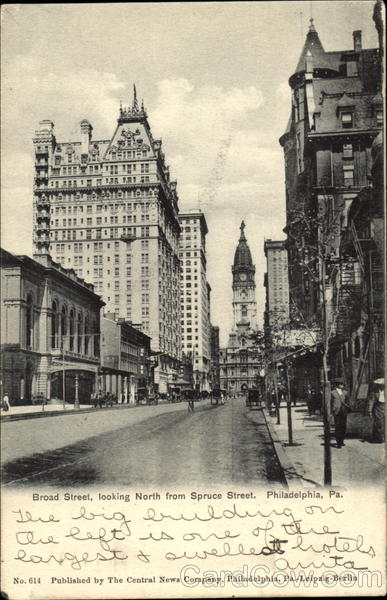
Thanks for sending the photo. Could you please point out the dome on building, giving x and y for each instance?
(242, 257)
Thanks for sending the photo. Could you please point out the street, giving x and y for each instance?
(214, 445)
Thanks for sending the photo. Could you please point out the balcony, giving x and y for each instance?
(42, 203)
(39, 150)
(351, 305)
(128, 237)
(42, 242)
(42, 228)
(42, 215)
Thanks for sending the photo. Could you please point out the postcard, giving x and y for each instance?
(192, 300)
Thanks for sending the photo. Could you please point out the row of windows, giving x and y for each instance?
(73, 183)
(98, 220)
(97, 233)
(78, 208)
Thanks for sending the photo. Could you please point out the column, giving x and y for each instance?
(76, 402)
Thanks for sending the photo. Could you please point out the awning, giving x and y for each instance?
(58, 365)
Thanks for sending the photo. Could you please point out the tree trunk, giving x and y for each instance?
(326, 421)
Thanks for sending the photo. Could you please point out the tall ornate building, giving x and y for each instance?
(336, 113)
(336, 118)
(195, 296)
(276, 283)
(240, 362)
(109, 210)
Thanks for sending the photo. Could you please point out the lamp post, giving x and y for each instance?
(76, 401)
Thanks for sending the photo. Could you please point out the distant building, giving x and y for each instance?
(108, 209)
(50, 331)
(240, 362)
(276, 283)
(125, 360)
(195, 295)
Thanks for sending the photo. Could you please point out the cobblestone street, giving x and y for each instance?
(214, 445)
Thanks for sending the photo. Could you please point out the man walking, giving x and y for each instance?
(339, 409)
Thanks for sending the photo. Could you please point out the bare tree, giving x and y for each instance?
(314, 232)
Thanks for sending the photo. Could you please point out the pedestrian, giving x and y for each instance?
(222, 398)
(273, 403)
(309, 398)
(339, 409)
(376, 411)
(190, 399)
(6, 405)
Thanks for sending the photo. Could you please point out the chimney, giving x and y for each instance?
(86, 130)
(357, 40)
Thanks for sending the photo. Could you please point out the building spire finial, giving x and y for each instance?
(135, 103)
(311, 26)
(242, 228)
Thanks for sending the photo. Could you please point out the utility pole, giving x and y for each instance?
(326, 382)
(288, 404)
(63, 376)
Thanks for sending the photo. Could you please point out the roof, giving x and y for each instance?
(316, 49)
(242, 257)
(44, 264)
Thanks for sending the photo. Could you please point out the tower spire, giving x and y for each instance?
(135, 103)
(242, 228)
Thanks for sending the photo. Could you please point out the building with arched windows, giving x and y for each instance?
(240, 363)
(50, 331)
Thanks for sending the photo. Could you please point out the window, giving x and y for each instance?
(352, 68)
(54, 325)
(347, 120)
(87, 335)
(348, 175)
(64, 325)
(347, 151)
(379, 118)
(71, 330)
(29, 323)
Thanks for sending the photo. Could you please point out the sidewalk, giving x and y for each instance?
(49, 410)
(358, 463)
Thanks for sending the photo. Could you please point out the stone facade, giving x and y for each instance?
(126, 362)
(195, 296)
(331, 193)
(108, 209)
(276, 283)
(50, 331)
(240, 363)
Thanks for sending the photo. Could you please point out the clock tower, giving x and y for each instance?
(240, 362)
(243, 285)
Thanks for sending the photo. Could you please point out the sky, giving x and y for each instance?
(214, 78)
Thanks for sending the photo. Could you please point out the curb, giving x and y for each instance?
(72, 411)
(55, 413)
(293, 480)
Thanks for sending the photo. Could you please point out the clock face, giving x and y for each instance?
(243, 276)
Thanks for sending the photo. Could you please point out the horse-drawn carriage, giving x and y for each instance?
(101, 399)
(217, 395)
(254, 398)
